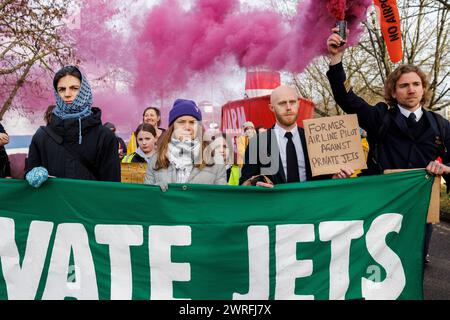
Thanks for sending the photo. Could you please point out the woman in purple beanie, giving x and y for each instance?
(181, 155)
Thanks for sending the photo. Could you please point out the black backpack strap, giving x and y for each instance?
(375, 142)
(385, 124)
(440, 123)
(59, 140)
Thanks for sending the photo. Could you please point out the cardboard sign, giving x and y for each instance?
(334, 143)
(133, 172)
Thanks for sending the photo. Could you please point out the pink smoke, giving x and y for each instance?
(96, 40)
(94, 43)
(174, 44)
(119, 108)
(169, 47)
(35, 94)
(337, 8)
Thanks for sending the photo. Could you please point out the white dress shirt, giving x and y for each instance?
(406, 112)
(282, 142)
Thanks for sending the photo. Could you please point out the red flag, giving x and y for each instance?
(387, 11)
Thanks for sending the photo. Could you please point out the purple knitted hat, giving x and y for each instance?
(183, 107)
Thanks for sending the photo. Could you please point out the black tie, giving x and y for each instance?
(412, 123)
(291, 160)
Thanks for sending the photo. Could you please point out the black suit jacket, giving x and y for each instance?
(261, 158)
(398, 149)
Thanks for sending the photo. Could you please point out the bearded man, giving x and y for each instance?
(280, 153)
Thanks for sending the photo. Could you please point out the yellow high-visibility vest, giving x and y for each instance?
(131, 147)
(128, 158)
(234, 175)
(365, 145)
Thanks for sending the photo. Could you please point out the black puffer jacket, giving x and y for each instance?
(99, 148)
(5, 170)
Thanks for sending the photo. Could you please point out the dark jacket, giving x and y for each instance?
(5, 170)
(57, 149)
(135, 158)
(398, 148)
(122, 144)
(272, 166)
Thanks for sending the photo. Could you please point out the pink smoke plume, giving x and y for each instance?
(337, 8)
(97, 40)
(170, 46)
(119, 108)
(35, 93)
(175, 44)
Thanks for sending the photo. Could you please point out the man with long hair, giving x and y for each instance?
(402, 134)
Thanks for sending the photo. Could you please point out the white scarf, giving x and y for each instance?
(182, 155)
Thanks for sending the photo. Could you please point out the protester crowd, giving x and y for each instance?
(76, 144)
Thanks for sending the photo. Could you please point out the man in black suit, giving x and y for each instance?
(280, 154)
(401, 133)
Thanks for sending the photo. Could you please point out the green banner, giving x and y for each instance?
(335, 239)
